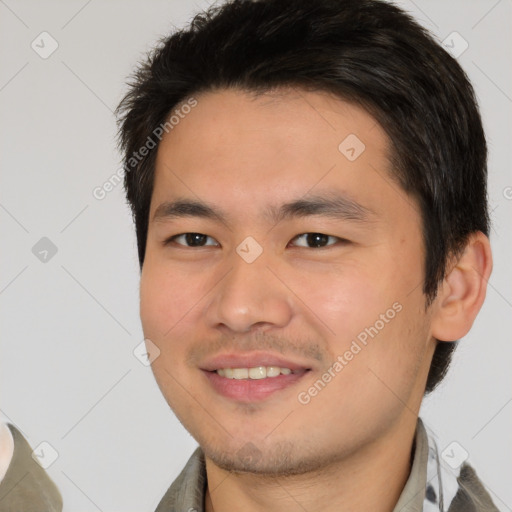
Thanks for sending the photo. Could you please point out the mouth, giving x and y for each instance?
(255, 373)
(252, 377)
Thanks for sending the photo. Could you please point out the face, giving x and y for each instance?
(282, 282)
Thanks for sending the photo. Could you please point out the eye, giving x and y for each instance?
(316, 240)
(192, 240)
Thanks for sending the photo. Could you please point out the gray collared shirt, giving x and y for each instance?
(423, 491)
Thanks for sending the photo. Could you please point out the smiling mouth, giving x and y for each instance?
(255, 384)
(256, 372)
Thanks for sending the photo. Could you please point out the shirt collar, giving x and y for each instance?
(429, 488)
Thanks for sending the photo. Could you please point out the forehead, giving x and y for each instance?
(286, 119)
(245, 150)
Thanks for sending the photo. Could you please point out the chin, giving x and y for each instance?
(282, 459)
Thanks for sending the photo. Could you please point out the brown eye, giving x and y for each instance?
(315, 240)
(192, 240)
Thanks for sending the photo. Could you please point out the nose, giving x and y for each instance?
(249, 297)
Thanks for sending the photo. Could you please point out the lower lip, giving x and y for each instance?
(251, 390)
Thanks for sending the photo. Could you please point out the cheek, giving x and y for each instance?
(165, 307)
(344, 299)
(164, 299)
(371, 306)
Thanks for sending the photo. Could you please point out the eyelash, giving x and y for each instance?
(173, 238)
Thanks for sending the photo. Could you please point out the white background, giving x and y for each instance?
(67, 372)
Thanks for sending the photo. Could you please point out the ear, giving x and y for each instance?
(462, 292)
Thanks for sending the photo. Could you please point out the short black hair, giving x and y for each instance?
(367, 52)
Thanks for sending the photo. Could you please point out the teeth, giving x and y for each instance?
(274, 371)
(258, 372)
(240, 373)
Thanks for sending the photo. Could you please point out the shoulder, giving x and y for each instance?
(26, 485)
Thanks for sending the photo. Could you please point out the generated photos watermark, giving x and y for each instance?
(357, 345)
(101, 191)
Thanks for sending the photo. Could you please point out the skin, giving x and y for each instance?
(242, 154)
(6, 449)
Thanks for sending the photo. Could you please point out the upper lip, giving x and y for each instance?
(251, 360)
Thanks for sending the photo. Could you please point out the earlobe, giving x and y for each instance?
(462, 292)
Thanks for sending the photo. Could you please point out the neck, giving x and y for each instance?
(370, 479)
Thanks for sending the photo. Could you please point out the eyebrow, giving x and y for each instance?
(333, 206)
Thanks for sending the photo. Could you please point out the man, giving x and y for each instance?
(308, 184)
